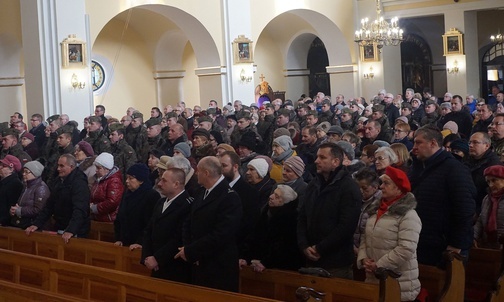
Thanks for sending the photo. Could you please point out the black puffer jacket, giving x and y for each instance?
(445, 194)
(68, 205)
(327, 219)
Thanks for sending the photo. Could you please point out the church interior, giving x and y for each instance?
(62, 56)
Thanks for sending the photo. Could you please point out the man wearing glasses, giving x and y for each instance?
(391, 111)
(38, 129)
(485, 114)
(496, 132)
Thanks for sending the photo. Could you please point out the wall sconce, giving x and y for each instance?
(244, 78)
(369, 75)
(454, 69)
(76, 84)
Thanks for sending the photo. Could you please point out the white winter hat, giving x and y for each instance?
(105, 160)
(260, 165)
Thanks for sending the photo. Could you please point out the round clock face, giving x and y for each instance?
(97, 75)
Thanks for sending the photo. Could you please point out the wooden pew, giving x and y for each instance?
(483, 271)
(101, 284)
(84, 251)
(107, 255)
(444, 285)
(282, 285)
(12, 292)
(102, 231)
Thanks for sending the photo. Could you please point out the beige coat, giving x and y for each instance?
(392, 242)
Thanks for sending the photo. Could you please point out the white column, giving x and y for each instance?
(392, 73)
(343, 79)
(169, 85)
(297, 81)
(463, 82)
(236, 12)
(45, 23)
(210, 83)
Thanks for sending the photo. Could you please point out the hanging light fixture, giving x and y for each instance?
(497, 39)
(380, 31)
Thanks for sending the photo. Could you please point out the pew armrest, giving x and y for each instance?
(304, 294)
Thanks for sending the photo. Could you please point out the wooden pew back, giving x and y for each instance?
(282, 285)
(84, 251)
(444, 285)
(271, 284)
(100, 284)
(102, 231)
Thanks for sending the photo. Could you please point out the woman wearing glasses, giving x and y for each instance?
(384, 157)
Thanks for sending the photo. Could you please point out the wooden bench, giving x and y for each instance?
(102, 231)
(281, 285)
(12, 292)
(444, 285)
(101, 284)
(84, 251)
(107, 255)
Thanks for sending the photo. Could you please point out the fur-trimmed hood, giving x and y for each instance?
(400, 207)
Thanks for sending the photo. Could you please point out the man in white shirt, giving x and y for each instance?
(211, 229)
(163, 235)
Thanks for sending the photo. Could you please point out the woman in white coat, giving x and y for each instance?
(391, 235)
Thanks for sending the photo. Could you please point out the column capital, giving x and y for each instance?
(210, 71)
(342, 69)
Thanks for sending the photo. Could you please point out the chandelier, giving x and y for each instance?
(497, 39)
(379, 32)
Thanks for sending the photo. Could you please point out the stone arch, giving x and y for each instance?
(290, 46)
(168, 48)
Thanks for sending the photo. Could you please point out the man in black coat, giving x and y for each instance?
(481, 157)
(445, 194)
(328, 214)
(38, 129)
(249, 197)
(163, 235)
(68, 203)
(211, 229)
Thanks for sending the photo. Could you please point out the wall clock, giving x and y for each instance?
(97, 75)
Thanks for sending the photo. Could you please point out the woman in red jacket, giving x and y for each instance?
(107, 191)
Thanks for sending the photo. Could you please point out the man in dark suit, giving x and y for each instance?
(230, 162)
(163, 235)
(211, 229)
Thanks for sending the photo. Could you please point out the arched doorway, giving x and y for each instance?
(492, 70)
(416, 62)
(316, 62)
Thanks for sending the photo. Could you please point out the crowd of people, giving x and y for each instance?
(344, 185)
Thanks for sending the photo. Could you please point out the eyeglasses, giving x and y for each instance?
(497, 124)
(380, 158)
(475, 142)
(398, 130)
(26, 172)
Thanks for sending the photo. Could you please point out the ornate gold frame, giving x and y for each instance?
(369, 53)
(73, 52)
(243, 50)
(453, 43)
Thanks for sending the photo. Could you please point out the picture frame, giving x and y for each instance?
(369, 53)
(73, 52)
(243, 50)
(453, 43)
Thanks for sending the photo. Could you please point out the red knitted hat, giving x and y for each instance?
(496, 171)
(399, 178)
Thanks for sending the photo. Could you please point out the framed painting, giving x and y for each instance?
(242, 50)
(453, 43)
(73, 52)
(369, 53)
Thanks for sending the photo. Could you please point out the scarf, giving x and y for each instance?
(281, 157)
(385, 204)
(491, 226)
